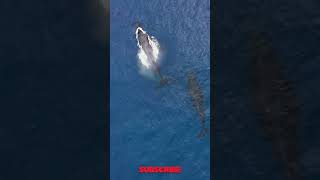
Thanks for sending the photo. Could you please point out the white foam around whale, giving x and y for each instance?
(143, 59)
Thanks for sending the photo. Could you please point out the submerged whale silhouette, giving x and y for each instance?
(197, 98)
(276, 104)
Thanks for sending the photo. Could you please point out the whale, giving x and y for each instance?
(145, 44)
(197, 98)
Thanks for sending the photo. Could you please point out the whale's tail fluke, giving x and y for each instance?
(165, 81)
(203, 132)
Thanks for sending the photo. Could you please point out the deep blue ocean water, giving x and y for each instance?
(293, 31)
(151, 126)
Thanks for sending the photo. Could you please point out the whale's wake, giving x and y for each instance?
(144, 63)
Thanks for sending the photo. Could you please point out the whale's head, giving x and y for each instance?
(142, 37)
(138, 24)
(139, 32)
